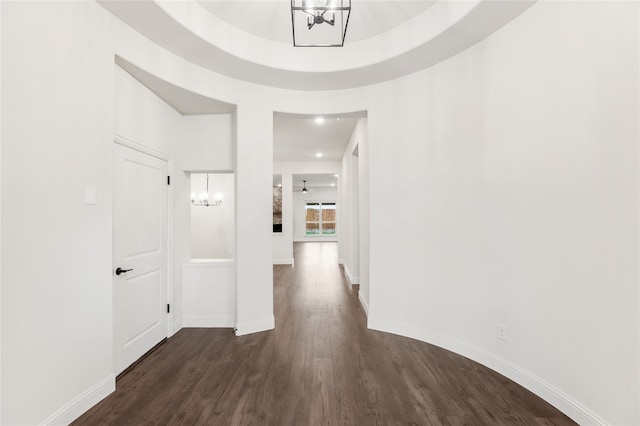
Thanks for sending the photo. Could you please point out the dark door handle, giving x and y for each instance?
(119, 271)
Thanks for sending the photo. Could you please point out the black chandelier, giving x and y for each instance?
(319, 23)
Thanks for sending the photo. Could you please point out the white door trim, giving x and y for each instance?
(171, 329)
(136, 146)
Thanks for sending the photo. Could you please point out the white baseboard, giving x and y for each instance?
(255, 326)
(82, 403)
(364, 303)
(283, 261)
(554, 396)
(209, 322)
(353, 280)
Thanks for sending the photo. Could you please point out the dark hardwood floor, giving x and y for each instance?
(320, 366)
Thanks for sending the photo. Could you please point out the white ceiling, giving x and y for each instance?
(314, 181)
(271, 19)
(386, 39)
(298, 137)
(183, 101)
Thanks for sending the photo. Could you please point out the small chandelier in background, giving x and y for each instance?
(202, 199)
(320, 23)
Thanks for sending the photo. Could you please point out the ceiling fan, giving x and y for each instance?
(304, 188)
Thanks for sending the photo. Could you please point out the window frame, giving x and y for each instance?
(320, 221)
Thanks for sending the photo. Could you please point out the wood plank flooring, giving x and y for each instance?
(320, 366)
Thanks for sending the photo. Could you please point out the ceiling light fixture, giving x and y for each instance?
(319, 154)
(202, 199)
(308, 19)
(319, 120)
(304, 187)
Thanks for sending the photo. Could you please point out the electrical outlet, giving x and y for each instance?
(502, 332)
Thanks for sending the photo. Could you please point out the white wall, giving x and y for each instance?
(364, 190)
(209, 293)
(207, 142)
(299, 204)
(212, 228)
(57, 126)
(0, 214)
(354, 213)
(514, 170)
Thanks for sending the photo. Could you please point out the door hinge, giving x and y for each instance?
(168, 180)
(168, 308)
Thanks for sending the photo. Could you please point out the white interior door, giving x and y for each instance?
(140, 249)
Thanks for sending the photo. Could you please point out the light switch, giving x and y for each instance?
(89, 195)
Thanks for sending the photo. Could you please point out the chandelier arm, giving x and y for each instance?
(332, 23)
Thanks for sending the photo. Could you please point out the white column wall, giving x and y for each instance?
(254, 218)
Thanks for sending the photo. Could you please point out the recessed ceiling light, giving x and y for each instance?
(333, 184)
(318, 154)
(336, 175)
(280, 185)
(319, 120)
